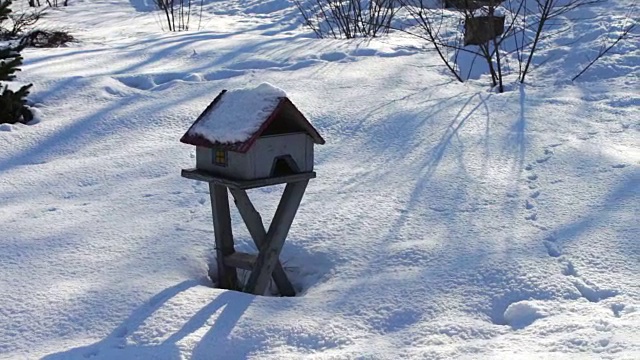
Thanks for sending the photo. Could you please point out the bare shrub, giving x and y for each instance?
(55, 3)
(348, 18)
(46, 39)
(494, 31)
(50, 3)
(177, 13)
(19, 23)
(626, 32)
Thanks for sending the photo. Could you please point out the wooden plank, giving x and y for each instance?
(240, 260)
(253, 220)
(270, 250)
(227, 275)
(197, 174)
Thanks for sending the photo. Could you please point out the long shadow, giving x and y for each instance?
(64, 136)
(143, 5)
(516, 143)
(117, 338)
(172, 42)
(217, 338)
(519, 141)
(628, 190)
(429, 166)
(115, 345)
(71, 138)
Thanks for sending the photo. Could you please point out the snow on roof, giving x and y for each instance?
(238, 114)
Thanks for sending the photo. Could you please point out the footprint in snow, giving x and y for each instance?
(155, 81)
(552, 249)
(528, 205)
(592, 293)
(619, 166)
(223, 74)
(617, 309)
(364, 52)
(258, 64)
(569, 269)
(333, 56)
(398, 53)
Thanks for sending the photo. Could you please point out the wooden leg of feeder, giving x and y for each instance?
(253, 220)
(278, 230)
(227, 277)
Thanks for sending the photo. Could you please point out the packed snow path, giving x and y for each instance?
(446, 220)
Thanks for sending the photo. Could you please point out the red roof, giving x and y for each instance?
(284, 111)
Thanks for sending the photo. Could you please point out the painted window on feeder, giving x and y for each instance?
(220, 157)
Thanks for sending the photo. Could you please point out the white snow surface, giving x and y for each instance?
(446, 220)
(238, 114)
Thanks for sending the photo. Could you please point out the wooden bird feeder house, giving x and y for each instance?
(245, 139)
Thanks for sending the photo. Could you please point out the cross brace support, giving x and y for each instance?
(266, 264)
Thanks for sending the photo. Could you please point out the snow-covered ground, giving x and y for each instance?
(446, 221)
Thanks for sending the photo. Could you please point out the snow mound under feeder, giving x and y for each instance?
(246, 139)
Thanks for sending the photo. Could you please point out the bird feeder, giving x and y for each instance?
(246, 139)
(479, 30)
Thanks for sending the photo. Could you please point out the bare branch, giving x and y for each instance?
(623, 35)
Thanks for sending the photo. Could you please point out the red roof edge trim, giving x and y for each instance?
(244, 146)
(199, 140)
(315, 135)
(241, 146)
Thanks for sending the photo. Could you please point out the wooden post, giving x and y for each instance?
(253, 220)
(227, 276)
(278, 230)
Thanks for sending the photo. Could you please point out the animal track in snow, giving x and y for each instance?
(364, 52)
(617, 309)
(591, 293)
(333, 56)
(397, 53)
(155, 82)
(338, 56)
(162, 81)
(588, 291)
(569, 269)
(256, 64)
(222, 74)
(552, 249)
